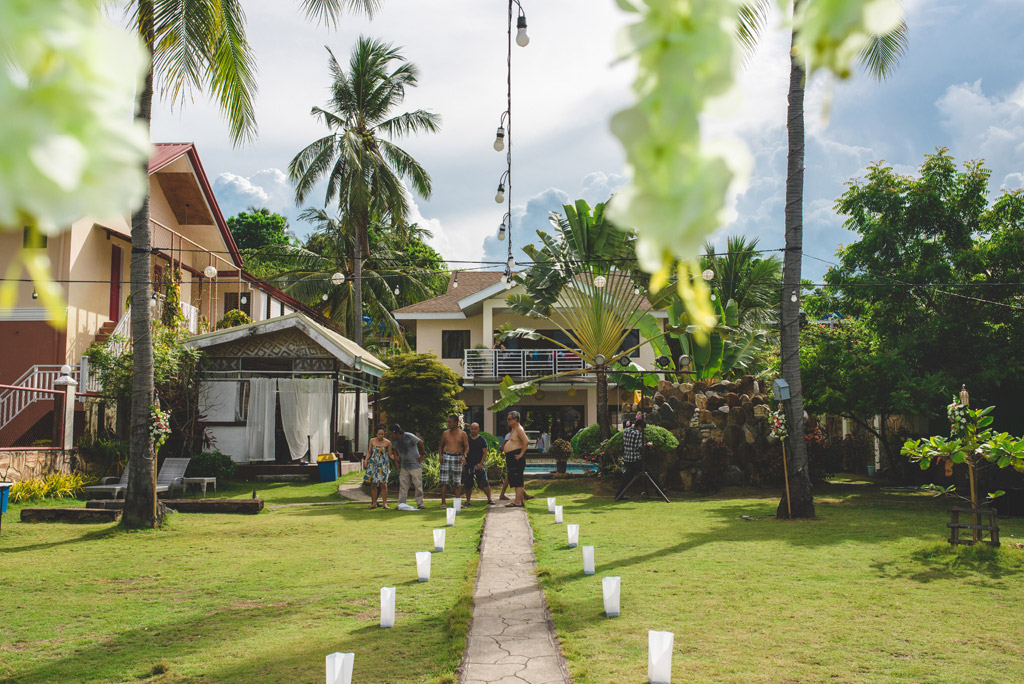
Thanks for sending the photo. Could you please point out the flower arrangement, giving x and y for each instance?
(777, 424)
(159, 426)
(957, 413)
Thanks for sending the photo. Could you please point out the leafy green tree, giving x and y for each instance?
(879, 57)
(258, 227)
(419, 393)
(193, 45)
(364, 169)
(936, 273)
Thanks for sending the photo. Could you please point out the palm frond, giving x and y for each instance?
(753, 20)
(329, 12)
(232, 71)
(881, 56)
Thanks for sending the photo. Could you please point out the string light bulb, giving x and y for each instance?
(707, 275)
(500, 196)
(499, 139)
(35, 295)
(210, 271)
(455, 281)
(323, 297)
(337, 278)
(600, 281)
(501, 233)
(396, 289)
(793, 296)
(522, 40)
(511, 263)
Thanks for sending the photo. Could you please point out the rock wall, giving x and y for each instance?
(17, 465)
(722, 428)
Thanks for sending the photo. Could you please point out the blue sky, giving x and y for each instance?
(961, 85)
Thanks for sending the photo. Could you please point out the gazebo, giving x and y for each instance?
(285, 389)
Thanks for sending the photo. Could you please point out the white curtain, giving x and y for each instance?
(347, 418)
(259, 425)
(306, 415)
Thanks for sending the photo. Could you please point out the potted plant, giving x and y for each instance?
(560, 450)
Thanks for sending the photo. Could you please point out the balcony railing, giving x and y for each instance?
(520, 363)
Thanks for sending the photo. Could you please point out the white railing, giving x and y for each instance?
(38, 377)
(520, 363)
(121, 337)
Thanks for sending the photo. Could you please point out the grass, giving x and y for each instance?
(229, 598)
(867, 593)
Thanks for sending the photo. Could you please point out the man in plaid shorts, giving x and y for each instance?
(454, 447)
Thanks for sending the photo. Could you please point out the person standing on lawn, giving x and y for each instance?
(632, 456)
(408, 453)
(515, 458)
(476, 465)
(454, 447)
(377, 468)
(504, 482)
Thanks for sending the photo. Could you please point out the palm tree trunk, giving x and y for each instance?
(603, 421)
(802, 499)
(357, 287)
(140, 508)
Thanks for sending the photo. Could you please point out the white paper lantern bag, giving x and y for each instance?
(339, 668)
(450, 513)
(551, 504)
(588, 560)
(439, 540)
(457, 505)
(659, 657)
(612, 591)
(558, 515)
(423, 565)
(574, 535)
(387, 606)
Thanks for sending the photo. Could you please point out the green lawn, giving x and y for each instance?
(231, 598)
(869, 592)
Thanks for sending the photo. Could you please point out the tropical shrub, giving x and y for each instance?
(496, 466)
(587, 442)
(53, 486)
(419, 393)
(233, 319)
(103, 457)
(492, 441)
(560, 450)
(211, 464)
(663, 443)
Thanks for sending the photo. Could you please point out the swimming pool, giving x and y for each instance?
(535, 468)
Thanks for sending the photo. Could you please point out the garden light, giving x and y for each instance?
(423, 565)
(457, 505)
(522, 40)
(684, 361)
(659, 657)
(450, 516)
(499, 139)
(558, 515)
(551, 504)
(600, 360)
(339, 668)
(663, 361)
(612, 588)
(387, 606)
(439, 540)
(624, 361)
(573, 532)
(588, 560)
(210, 272)
(337, 278)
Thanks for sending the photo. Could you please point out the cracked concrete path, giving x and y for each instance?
(511, 639)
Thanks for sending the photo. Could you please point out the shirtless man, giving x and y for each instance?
(454, 447)
(515, 458)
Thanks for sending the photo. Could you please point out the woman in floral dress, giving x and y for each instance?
(377, 468)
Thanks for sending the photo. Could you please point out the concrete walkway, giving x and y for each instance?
(511, 639)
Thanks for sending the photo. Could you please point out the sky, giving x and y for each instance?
(960, 85)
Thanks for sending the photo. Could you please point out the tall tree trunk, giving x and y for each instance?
(357, 273)
(802, 499)
(603, 422)
(140, 508)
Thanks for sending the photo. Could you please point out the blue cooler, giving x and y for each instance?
(328, 470)
(5, 493)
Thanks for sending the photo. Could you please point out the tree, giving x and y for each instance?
(193, 45)
(363, 168)
(936, 273)
(740, 275)
(879, 57)
(419, 393)
(258, 227)
(398, 260)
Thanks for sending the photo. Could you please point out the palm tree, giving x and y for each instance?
(742, 276)
(193, 45)
(308, 271)
(363, 169)
(879, 58)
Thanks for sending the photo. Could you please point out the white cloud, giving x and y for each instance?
(268, 189)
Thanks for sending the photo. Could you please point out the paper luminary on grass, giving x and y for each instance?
(558, 515)
(339, 668)
(612, 591)
(387, 606)
(439, 540)
(450, 514)
(551, 504)
(457, 505)
(574, 535)
(588, 560)
(659, 657)
(423, 565)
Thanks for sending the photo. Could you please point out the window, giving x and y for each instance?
(454, 343)
(632, 340)
(231, 302)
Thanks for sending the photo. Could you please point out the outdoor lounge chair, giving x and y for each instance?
(171, 472)
(111, 485)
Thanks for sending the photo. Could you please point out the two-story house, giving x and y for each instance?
(460, 327)
(90, 263)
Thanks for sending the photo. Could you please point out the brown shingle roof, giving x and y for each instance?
(470, 282)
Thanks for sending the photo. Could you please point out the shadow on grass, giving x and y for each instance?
(108, 530)
(978, 566)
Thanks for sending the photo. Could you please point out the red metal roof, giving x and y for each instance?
(165, 153)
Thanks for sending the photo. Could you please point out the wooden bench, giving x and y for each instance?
(247, 506)
(955, 526)
(71, 515)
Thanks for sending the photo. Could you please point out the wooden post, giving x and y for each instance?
(334, 411)
(785, 474)
(355, 441)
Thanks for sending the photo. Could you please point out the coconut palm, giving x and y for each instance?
(879, 58)
(740, 275)
(308, 271)
(363, 168)
(194, 45)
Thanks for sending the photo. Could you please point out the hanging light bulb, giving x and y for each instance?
(35, 295)
(455, 281)
(793, 297)
(323, 297)
(707, 275)
(511, 263)
(636, 290)
(245, 298)
(500, 196)
(522, 40)
(714, 297)
(508, 283)
(499, 139)
(600, 281)
(396, 289)
(210, 271)
(501, 233)
(337, 278)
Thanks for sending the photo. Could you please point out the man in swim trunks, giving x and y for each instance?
(454, 447)
(476, 465)
(515, 458)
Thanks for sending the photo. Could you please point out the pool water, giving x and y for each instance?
(544, 468)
